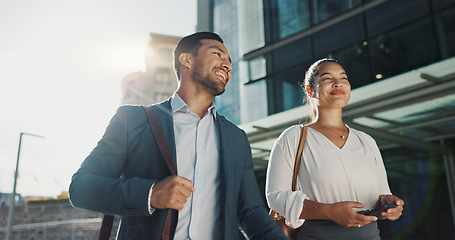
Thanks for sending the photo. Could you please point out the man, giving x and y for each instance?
(215, 191)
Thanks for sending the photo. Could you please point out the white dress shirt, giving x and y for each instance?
(327, 174)
(198, 151)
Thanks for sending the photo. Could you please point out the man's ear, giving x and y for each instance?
(185, 59)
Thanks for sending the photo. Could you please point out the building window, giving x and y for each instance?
(165, 52)
(340, 35)
(257, 68)
(256, 97)
(393, 14)
(324, 9)
(251, 15)
(446, 32)
(441, 4)
(288, 88)
(292, 54)
(162, 75)
(404, 49)
(292, 16)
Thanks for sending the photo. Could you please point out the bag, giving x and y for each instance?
(279, 219)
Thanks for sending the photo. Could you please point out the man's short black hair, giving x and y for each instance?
(191, 44)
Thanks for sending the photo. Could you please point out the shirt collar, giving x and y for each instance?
(178, 105)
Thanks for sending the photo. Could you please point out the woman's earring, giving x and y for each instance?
(308, 90)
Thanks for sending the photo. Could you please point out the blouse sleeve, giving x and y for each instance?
(383, 183)
(279, 194)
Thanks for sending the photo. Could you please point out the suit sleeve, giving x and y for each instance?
(253, 216)
(99, 186)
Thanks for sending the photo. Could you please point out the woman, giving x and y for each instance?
(341, 171)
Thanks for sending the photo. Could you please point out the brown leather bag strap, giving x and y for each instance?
(166, 234)
(106, 227)
(162, 144)
(160, 138)
(303, 132)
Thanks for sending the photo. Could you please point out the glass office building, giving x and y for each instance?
(400, 58)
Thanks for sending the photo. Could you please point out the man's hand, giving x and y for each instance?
(391, 213)
(343, 214)
(171, 192)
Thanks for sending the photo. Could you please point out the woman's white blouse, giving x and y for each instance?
(327, 174)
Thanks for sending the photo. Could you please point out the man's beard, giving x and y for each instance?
(214, 86)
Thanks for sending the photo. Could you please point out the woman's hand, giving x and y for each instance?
(391, 213)
(343, 214)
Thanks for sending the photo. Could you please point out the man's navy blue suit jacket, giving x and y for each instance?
(117, 175)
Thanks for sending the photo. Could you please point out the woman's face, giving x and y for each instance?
(331, 86)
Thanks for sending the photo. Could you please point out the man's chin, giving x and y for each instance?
(217, 92)
(221, 92)
(214, 86)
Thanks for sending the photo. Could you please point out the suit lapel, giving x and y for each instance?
(226, 165)
(225, 156)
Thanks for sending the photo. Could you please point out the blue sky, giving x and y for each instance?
(61, 63)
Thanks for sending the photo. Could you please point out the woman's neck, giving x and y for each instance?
(330, 118)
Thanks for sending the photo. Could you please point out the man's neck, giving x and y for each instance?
(197, 101)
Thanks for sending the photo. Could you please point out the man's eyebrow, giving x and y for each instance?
(214, 46)
(221, 50)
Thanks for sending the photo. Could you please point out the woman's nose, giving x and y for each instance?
(338, 83)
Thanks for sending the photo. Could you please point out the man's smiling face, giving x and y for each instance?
(212, 66)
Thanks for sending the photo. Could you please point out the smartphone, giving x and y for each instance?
(378, 210)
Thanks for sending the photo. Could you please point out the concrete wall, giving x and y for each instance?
(55, 220)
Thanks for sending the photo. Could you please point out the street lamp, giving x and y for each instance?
(13, 197)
